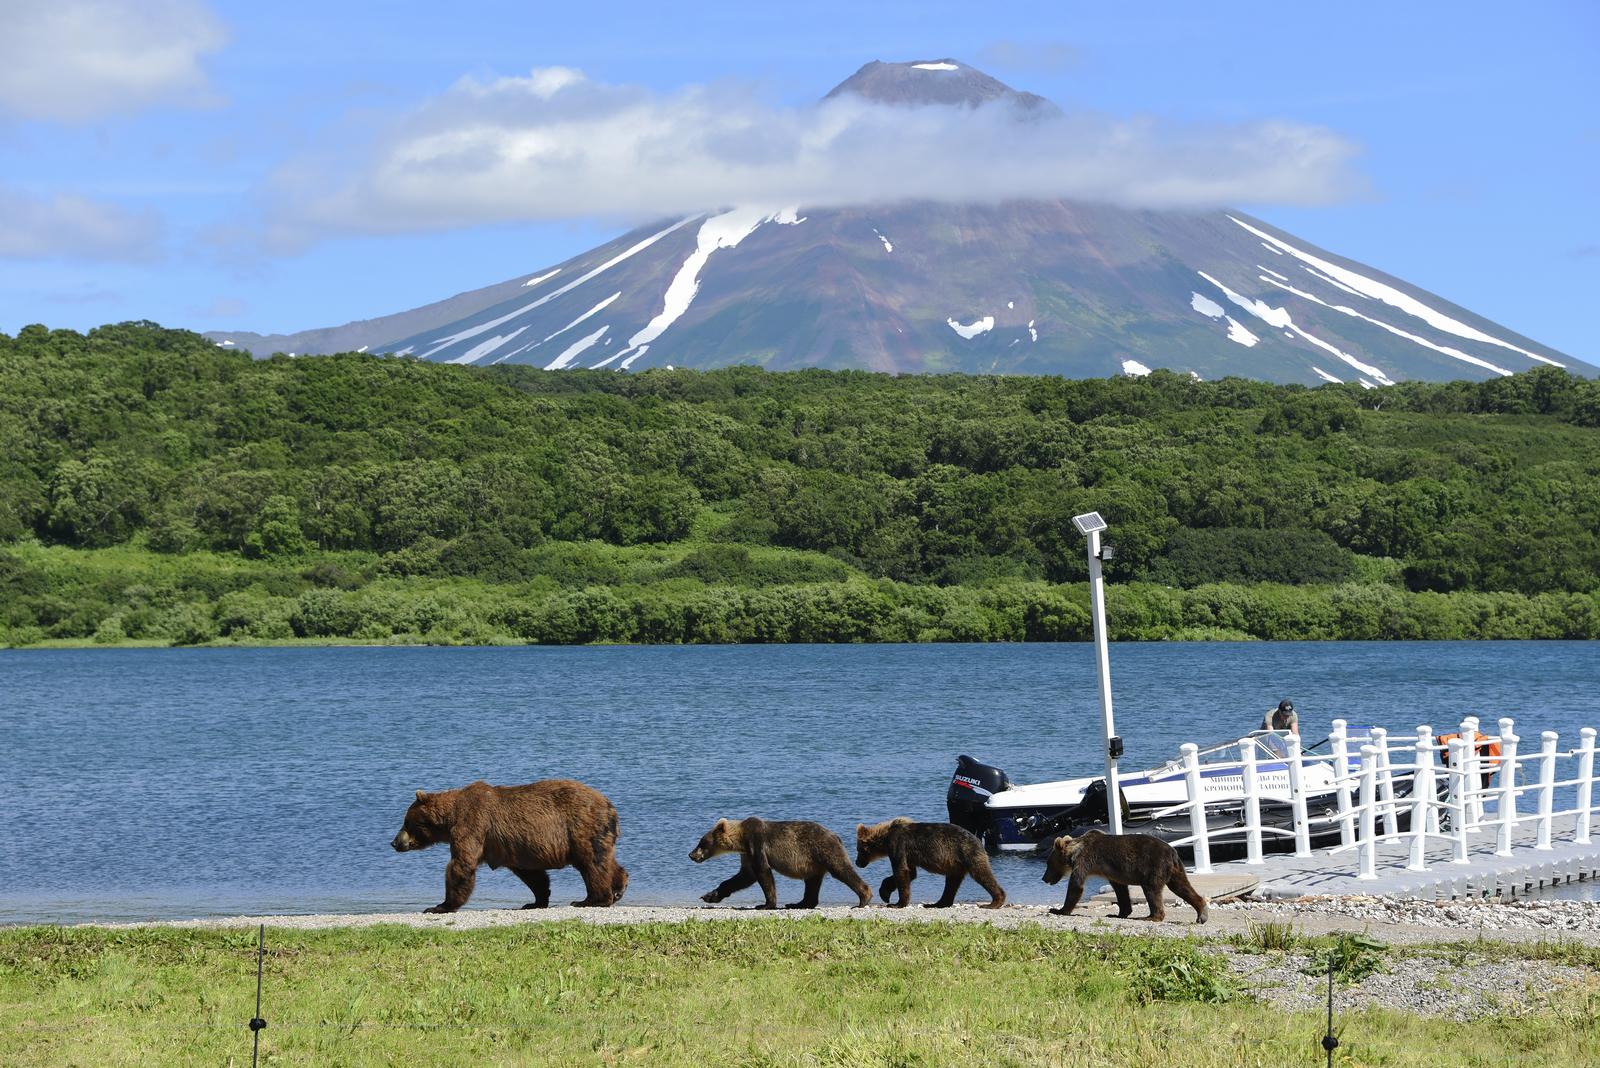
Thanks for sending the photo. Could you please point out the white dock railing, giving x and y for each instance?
(1477, 770)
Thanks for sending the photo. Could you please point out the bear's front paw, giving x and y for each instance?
(437, 910)
(1061, 912)
(712, 896)
(537, 905)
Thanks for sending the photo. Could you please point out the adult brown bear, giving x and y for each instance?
(1123, 860)
(942, 848)
(529, 829)
(799, 849)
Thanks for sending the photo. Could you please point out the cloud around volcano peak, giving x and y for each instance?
(556, 145)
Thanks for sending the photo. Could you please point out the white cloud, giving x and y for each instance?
(556, 145)
(75, 227)
(75, 60)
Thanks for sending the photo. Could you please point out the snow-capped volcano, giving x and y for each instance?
(1022, 287)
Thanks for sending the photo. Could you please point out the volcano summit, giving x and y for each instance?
(1082, 289)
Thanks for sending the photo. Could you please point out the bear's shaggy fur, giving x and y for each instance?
(1123, 860)
(942, 848)
(798, 849)
(529, 829)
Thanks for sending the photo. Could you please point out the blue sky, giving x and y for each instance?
(221, 165)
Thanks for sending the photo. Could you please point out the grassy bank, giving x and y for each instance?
(693, 592)
(813, 992)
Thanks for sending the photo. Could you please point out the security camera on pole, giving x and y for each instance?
(1091, 525)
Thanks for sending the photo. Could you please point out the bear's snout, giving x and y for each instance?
(403, 842)
(697, 854)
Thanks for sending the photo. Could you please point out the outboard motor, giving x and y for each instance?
(970, 787)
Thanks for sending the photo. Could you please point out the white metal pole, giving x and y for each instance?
(1197, 808)
(1367, 851)
(1508, 792)
(1341, 770)
(1474, 795)
(1102, 659)
(1389, 824)
(1431, 821)
(1252, 801)
(1547, 778)
(1421, 799)
(1458, 816)
(1585, 783)
(1297, 798)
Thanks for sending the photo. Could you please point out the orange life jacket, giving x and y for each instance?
(1483, 746)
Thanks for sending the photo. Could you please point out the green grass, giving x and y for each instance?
(778, 992)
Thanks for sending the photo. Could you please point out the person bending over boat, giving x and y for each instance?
(1281, 718)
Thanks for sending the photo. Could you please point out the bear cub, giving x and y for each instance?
(942, 848)
(529, 829)
(798, 849)
(1123, 860)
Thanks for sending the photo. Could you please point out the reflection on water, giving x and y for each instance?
(178, 783)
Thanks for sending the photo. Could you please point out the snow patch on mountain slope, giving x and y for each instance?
(1240, 334)
(623, 366)
(474, 331)
(886, 246)
(581, 318)
(719, 231)
(1134, 369)
(1457, 353)
(1203, 305)
(535, 281)
(1270, 271)
(1367, 287)
(978, 326)
(1279, 317)
(576, 347)
(1312, 271)
(1325, 376)
(478, 352)
(935, 66)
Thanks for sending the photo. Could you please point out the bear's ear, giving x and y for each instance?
(421, 795)
(722, 824)
(861, 830)
(1062, 843)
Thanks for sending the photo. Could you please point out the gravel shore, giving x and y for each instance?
(1399, 921)
(1465, 986)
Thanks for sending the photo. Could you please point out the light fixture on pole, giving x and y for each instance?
(1090, 524)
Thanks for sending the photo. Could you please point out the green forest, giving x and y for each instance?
(158, 489)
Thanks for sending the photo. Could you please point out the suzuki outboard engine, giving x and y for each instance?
(971, 786)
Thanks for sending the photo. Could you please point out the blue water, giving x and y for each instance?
(180, 783)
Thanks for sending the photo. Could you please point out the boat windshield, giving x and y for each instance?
(1269, 745)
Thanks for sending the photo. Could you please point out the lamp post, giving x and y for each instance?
(1090, 525)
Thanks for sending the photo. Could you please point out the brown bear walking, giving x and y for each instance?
(1123, 860)
(798, 849)
(942, 848)
(529, 829)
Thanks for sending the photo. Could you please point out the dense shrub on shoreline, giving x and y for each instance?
(112, 597)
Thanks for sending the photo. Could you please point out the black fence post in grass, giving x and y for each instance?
(1329, 1041)
(257, 1024)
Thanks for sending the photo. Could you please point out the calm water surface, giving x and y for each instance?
(178, 783)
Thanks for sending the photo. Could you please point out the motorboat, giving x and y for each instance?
(1009, 817)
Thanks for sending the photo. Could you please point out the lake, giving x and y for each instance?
(175, 783)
